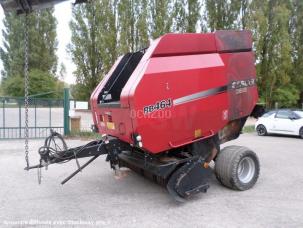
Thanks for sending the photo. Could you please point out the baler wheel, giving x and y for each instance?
(237, 168)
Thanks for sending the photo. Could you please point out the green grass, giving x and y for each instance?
(248, 129)
(84, 135)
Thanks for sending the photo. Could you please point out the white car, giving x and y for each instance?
(283, 121)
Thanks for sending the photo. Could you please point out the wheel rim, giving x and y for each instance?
(246, 170)
(261, 130)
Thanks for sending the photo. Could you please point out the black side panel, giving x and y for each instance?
(258, 111)
(138, 162)
(188, 180)
(112, 89)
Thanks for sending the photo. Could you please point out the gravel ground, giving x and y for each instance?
(95, 197)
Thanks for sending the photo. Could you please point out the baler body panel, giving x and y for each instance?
(185, 88)
(169, 79)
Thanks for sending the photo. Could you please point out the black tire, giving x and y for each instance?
(232, 168)
(261, 130)
(301, 132)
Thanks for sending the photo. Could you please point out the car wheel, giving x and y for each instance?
(301, 132)
(261, 130)
(237, 168)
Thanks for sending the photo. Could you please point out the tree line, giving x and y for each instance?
(42, 58)
(104, 29)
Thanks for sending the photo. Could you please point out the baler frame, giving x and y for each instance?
(190, 161)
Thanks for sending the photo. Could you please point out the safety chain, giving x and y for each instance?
(26, 85)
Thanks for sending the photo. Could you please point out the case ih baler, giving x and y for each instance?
(164, 112)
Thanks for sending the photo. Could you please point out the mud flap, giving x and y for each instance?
(189, 179)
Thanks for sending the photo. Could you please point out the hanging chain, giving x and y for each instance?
(26, 85)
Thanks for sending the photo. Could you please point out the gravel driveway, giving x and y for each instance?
(95, 197)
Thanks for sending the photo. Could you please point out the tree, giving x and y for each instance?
(222, 14)
(142, 37)
(179, 15)
(93, 43)
(132, 25)
(11, 54)
(244, 13)
(42, 42)
(107, 34)
(62, 72)
(161, 19)
(126, 25)
(42, 46)
(186, 15)
(194, 7)
(270, 23)
(104, 29)
(40, 82)
(296, 32)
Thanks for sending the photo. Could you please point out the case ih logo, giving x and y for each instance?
(243, 83)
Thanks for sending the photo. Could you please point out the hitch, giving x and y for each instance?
(55, 151)
(79, 169)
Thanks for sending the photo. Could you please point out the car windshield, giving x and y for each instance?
(299, 113)
(268, 114)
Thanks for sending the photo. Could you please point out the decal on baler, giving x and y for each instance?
(200, 95)
(158, 106)
(243, 83)
(240, 87)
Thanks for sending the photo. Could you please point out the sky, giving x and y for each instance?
(63, 13)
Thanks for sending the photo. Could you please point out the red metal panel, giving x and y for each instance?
(240, 67)
(184, 75)
(185, 44)
(120, 121)
(189, 72)
(180, 63)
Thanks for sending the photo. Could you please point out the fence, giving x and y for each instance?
(44, 114)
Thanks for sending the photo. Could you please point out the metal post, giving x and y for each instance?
(3, 118)
(66, 111)
(35, 117)
(276, 105)
(19, 119)
(50, 114)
